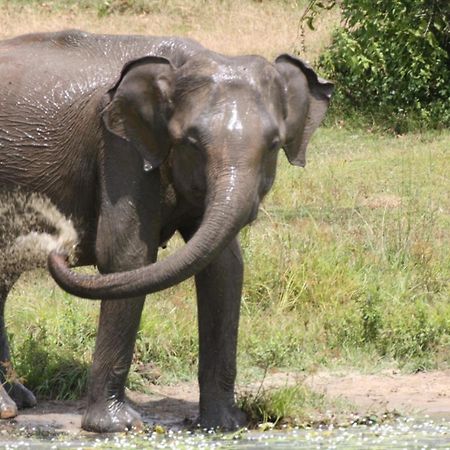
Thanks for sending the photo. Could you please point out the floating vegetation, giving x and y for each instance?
(402, 433)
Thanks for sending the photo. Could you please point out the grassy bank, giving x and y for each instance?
(347, 265)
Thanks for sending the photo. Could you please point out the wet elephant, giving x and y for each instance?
(136, 138)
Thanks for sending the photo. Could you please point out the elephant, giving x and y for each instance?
(136, 138)
(30, 227)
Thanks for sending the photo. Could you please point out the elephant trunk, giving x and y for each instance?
(230, 203)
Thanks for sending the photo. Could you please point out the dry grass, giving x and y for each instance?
(232, 27)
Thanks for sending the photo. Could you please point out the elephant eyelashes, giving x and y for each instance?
(192, 141)
(275, 145)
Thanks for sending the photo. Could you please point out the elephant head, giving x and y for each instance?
(221, 122)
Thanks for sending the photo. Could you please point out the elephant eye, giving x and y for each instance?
(275, 144)
(188, 141)
(192, 141)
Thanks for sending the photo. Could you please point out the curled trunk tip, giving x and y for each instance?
(227, 212)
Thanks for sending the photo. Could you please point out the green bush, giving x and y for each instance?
(391, 62)
(49, 368)
(289, 405)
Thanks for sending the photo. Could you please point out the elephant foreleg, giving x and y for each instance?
(219, 289)
(108, 410)
(127, 237)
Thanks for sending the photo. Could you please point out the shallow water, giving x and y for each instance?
(401, 434)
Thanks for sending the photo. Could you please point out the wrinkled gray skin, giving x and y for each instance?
(136, 138)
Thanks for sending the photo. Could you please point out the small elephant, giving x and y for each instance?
(30, 227)
(136, 138)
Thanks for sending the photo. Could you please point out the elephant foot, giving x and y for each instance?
(8, 408)
(227, 418)
(111, 417)
(22, 396)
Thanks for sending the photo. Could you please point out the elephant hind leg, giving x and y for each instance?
(13, 394)
(8, 407)
(21, 396)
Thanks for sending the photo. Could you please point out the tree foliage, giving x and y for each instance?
(391, 60)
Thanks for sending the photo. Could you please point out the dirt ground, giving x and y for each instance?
(421, 394)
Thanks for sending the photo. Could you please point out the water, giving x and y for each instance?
(400, 434)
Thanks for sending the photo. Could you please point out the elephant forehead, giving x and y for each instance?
(219, 70)
(227, 74)
(253, 71)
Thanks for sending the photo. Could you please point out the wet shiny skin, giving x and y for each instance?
(138, 137)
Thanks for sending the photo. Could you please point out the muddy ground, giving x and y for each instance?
(419, 395)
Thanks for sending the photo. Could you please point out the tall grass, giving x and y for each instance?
(361, 255)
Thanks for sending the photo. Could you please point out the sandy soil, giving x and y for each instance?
(413, 394)
(418, 394)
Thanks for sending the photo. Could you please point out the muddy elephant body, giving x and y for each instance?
(136, 138)
(51, 90)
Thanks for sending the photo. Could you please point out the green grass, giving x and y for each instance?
(287, 406)
(357, 252)
(347, 265)
(299, 406)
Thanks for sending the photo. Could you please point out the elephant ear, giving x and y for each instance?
(308, 97)
(139, 105)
